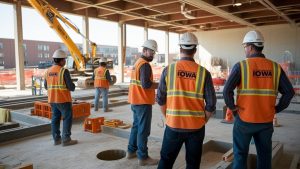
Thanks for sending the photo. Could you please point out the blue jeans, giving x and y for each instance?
(262, 135)
(140, 131)
(103, 92)
(64, 110)
(172, 144)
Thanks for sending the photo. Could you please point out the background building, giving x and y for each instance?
(39, 52)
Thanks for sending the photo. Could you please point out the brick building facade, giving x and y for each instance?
(36, 52)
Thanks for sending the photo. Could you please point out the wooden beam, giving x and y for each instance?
(180, 17)
(268, 4)
(258, 14)
(206, 20)
(97, 2)
(217, 11)
(136, 15)
(255, 6)
(222, 3)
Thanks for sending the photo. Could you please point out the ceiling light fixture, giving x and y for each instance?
(235, 3)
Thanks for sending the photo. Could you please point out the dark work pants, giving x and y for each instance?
(172, 143)
(242, 134)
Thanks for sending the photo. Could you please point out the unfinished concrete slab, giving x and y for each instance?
(40, 151)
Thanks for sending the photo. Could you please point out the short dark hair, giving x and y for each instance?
(103, 64)
(57, 60)
(188, 51)
(256, 48)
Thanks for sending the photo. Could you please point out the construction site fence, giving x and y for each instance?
(8, 76)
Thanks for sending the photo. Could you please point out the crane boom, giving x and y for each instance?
(51, 15)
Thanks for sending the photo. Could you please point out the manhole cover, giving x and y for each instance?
(110, 155)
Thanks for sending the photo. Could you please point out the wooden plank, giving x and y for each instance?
(228, 156)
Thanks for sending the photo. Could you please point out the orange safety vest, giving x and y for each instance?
(100, 78)
(57, 89)
(257, 92)
(185, 103)
(137, 94)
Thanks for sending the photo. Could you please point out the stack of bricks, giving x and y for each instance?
(93, 124)
(79, 109)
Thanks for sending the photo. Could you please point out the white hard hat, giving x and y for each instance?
(151, 44)
(254, 37)
(103, 60)
(188, 41)
(59, 54)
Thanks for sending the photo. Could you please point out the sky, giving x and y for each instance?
(100, 31)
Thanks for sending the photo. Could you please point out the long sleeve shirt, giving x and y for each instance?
(107, 76)
(145, 74)
(68, 81)
(209, 91)
(285, 88)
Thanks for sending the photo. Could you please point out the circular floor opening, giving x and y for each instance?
(110, 155)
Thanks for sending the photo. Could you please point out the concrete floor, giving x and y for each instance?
(40, 151)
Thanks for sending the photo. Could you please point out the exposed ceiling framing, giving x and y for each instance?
(197, 15)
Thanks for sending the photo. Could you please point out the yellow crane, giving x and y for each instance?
(52, 16)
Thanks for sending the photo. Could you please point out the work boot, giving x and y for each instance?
(69, 142)
(131, 155)
(107, 110)
(57, 142)
(148, 161)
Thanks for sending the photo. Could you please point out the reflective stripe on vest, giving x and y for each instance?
(258, 90)
(57, 89)
(137, 94)
(100, 78)
(185, 87)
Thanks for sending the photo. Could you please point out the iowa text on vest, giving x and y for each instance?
(262, 73)
(186, 74)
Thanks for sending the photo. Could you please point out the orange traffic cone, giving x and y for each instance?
(275, 121)
(229, 117)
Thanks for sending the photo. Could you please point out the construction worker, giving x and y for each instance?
(102, 80)
(258, 80)
(59, 84)
(142, 97)
(191, 102)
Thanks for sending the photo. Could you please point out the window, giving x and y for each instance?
(46, 55)
(43, 47)
(40, 55)
(24, 47)
(40, 47)
(1, 55)
(1, 45)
